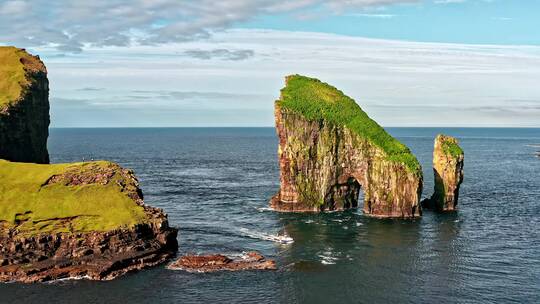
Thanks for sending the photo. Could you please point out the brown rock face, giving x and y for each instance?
(217, 262)
(28, 255)
(324, 166)
(24, 125)
(448, 159)
(94, 256)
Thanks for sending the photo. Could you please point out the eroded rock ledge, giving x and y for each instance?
(448, 159)
(83, 220)
(217, 262)
(330, 150)
(24, 107)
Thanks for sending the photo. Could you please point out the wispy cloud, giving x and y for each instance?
(224, 54)
(378, 16)
(71, 25)
(502, 18)
(449, 1)
(396, 82)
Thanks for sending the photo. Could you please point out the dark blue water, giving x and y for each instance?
(215, 184)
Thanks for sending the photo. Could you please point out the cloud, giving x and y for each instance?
(220, 53)
(378, 16)
(90, 89)
(398, 83)
(449, 1)
(70, 25)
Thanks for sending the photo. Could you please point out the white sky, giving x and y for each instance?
(232, 79)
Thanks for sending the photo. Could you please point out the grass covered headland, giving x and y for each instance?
(70, 198)
(14, 63)
(316, 100)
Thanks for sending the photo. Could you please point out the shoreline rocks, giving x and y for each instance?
(217, 262)
(80, 241)
(58, 221)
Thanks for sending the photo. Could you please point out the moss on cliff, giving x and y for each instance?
(450, 146)
(14, 63)
(316, 100)
(78, 197)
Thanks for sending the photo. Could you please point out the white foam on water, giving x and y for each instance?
(281, 239)
(75, 278)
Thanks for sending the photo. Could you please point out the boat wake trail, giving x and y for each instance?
(281, 239)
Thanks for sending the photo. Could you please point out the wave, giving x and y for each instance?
(281, 239)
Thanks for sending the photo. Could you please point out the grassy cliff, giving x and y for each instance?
(14, 63)
(78, 197)
(450, 146)
(317, 100)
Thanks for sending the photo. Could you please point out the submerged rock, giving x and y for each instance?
(330, 150)
(217, 262)
(24, 107)
(448, 159)
(77, 220)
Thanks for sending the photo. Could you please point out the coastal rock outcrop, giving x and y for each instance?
(448, 159)
(217, 262)
(24, 107)
(81, 220)
(330, 150)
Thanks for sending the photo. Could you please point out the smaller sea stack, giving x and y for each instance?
(448, 158)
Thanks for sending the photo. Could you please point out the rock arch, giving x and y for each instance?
(324, 162)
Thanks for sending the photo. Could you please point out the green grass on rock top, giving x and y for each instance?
(450, 145)
(316, 100)
(12, 74)
(32, 204)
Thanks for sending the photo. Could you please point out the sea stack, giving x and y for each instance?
(448, 159)
(24, 107)
(329, 150)
(79, 220)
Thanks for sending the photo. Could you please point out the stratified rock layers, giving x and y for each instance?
(24, 112)
(448, 159)
(324, 165)
(83, 220)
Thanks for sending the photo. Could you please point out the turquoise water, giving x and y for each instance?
(215, 184)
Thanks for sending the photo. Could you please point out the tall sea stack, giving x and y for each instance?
(24, 107)
(448, 159)
(330, 150)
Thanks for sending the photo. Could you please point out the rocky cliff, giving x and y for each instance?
(448, 159)
(24, 107)
(330, 150)
(77, 220)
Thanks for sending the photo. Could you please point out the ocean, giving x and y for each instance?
(215, 184)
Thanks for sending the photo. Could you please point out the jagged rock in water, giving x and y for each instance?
(24, 107)
(330, 150)
(448, 159)
(217, 262)
(77, 220)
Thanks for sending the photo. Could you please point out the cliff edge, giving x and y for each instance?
(80, 220)
(24, 107)
(77, 220)
(330, 150)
